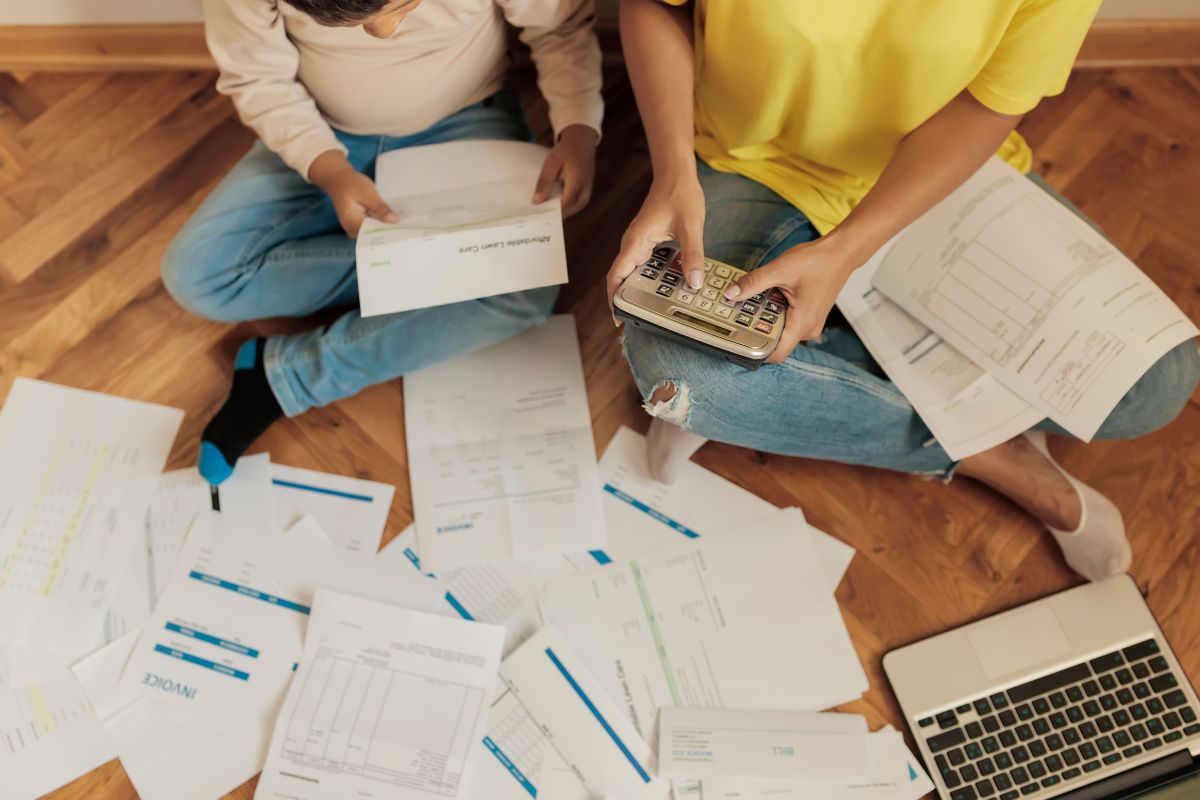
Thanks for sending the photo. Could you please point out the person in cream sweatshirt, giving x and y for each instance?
(328, 86)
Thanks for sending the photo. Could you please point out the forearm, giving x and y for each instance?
(930, 163)
(657, 41)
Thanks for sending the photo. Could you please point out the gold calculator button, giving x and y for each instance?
(724, 311)
(685, 297)
(711, 294)
(723, 270)
(717, 281)
(704, 305)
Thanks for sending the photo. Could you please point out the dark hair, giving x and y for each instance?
(338, 12)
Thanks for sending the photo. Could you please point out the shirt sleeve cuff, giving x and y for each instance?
(1005, 103)
(588, 111)
(301, 152)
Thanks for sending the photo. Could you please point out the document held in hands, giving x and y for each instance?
(466, 228)
(501, 453)
(386, 703)
(1033, 295)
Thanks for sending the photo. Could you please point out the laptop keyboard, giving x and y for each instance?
(1044, 735)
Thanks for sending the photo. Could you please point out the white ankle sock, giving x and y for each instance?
(1097, 548)
(667, 448)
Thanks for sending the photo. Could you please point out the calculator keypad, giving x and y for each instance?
(762, 312)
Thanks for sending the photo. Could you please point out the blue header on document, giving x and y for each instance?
(247, 591)
(653, 512)
(305, 487)
(510, 766)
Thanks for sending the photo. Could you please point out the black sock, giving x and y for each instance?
(248, 411)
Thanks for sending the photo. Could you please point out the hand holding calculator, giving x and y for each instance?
(655, 299)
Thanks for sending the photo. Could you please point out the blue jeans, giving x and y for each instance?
(829, 400)
(266, 243)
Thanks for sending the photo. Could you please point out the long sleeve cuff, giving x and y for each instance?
(587, 111)
(300, 152)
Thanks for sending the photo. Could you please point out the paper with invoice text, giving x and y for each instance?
(501, 453)
(1033, 295)
(77, 472)
(351, 511)
(387, 702)
(466, 227)
(221, 645)
(746, 622)
(790, 745)
(565, 709)
(895, 775)
(967, 410)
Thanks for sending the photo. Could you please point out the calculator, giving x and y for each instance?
(656, 299)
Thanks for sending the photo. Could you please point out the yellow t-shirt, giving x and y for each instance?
(812, 97)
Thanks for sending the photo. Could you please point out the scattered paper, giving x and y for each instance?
(644, 515)
(387, 703)
(352, 511)
(728, 622)
(967, 410)
(466, 227)
(77, 471)
(1033, 295)
(579, 720)
(501, 454)
(897, 775)
(790, 745)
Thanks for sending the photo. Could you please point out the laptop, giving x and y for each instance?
(1074, 696)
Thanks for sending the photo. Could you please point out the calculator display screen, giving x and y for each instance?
(701, 323)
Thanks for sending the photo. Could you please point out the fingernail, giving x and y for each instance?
(695, 279)
(732, 292)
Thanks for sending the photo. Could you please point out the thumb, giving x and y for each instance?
(376, 207)
(546, 179)
(753, 282)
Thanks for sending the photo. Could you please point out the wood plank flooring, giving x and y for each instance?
(98, 171)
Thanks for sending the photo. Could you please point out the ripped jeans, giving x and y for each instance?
(829, 400)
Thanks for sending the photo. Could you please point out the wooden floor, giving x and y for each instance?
(97, 172)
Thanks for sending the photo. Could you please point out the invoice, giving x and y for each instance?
(501, 453)
(351, 510)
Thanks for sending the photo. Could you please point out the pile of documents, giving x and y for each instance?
(549, 627)
(1000, 307)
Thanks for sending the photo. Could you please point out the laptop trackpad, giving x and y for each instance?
(1019, 641)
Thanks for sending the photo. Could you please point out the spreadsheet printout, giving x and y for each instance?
(387, 703)
(77, 472)
(967, 410)
(1034, 295)
(501, 453)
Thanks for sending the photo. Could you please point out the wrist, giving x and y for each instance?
(847, 248)
(328, 167)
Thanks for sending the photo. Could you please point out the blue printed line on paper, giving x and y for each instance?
(600, 556)
(304, 487)
(653, 512)
(192, 633)
(587, 701)
(246, 591)
(459, 607)
(201, 662)
(510, 766)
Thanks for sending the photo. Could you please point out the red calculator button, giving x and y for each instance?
(762, 327)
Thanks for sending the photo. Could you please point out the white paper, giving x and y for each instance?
(967, 410)
(519, 761)
(387, 703)
(1033, 295)
(221, 646)
(897, 776)
(789, 745)
(49, 736)
(579, 720)
(466, 227)
(352, 511)
(77, 471)
(745, 622)
(644, 515)
(501, 453)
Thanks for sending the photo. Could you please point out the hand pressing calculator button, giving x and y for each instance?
(657, 300)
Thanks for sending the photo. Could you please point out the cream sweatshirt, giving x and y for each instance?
(293, 80)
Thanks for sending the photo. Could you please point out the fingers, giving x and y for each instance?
(753, 282)
(577, 191)
(691, 252)
(788, 338)
(547, 178)
(636, 247)
(381, 211)
(352, 220)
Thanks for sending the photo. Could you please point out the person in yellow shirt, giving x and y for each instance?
(794, 138)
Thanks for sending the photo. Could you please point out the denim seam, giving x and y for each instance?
(895, 398)
(253, 245)
(274, 367)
